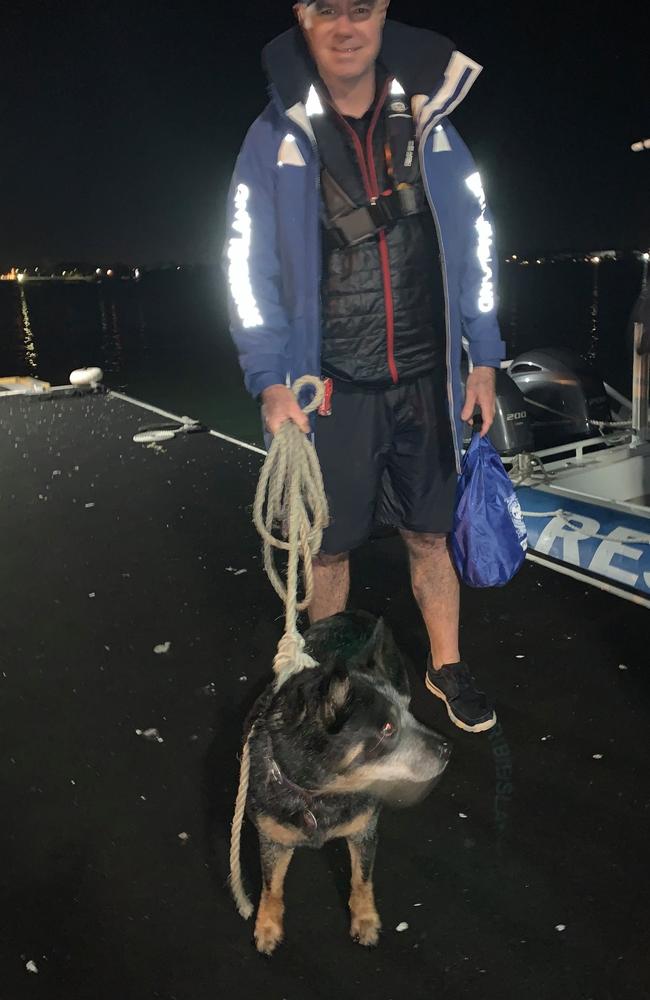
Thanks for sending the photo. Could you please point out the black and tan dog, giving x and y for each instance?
(326, 750)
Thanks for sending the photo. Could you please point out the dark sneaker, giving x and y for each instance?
(467, 708)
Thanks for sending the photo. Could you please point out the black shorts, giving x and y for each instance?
(387, 457)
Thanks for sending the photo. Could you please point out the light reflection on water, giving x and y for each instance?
(30, 349)
(165, 340)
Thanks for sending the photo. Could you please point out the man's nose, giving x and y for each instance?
(344, 26)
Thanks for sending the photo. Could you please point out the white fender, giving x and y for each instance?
(86, 376)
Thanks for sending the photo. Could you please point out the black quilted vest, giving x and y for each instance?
(382, 299)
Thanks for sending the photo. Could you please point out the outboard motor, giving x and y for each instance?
(562, 394)
(510, 433)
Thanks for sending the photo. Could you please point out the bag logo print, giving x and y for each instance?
(514, 509)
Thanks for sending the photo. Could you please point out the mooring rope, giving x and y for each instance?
(290, 495)
(291, 488)
(568, 518)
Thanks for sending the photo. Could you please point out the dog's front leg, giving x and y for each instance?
(365, 924)
(269, 926)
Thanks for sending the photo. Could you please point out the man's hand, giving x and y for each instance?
(480, 391)
(279, 405)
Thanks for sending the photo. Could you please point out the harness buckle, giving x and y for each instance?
(367, 220)
(325, 408)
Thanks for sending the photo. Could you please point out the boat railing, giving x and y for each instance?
(640, 385)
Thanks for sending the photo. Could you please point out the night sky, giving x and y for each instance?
(120, 122)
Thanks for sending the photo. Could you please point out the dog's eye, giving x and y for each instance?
(388, 729)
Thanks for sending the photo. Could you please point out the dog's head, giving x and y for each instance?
(349, 722)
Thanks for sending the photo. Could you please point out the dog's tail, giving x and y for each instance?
(242, 901)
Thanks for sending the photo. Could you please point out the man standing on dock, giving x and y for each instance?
(360, 248)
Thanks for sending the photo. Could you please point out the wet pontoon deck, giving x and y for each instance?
(520, 878)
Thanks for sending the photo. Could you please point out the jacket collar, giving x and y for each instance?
(425, 65)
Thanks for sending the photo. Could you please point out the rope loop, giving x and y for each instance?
(290, 513)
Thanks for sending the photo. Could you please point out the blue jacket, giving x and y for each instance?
(272, 255)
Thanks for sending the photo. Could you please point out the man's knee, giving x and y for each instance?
(325, 559)
(423, 543)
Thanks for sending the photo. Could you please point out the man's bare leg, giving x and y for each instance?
(331, 585)
(437, 592)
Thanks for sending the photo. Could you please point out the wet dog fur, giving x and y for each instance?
(326, 750)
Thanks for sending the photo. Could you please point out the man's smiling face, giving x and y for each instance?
(344, 36)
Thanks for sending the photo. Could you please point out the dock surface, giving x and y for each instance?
(133, 598)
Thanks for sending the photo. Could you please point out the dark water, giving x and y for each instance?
(164, 339)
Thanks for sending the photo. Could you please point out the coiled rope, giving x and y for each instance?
(290, 496)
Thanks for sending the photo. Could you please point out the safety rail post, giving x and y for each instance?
(640, 386)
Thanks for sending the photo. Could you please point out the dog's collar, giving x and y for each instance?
(309, 821)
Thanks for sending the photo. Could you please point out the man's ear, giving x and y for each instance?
(299, 10)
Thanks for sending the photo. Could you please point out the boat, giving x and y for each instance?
(578, 453)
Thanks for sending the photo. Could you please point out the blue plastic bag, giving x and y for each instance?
(489, 538)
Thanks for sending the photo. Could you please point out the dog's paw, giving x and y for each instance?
(268, 934)
(365, 928)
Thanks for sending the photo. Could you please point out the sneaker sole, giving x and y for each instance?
(480, 727)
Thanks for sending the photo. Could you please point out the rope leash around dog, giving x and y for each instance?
(290, 494)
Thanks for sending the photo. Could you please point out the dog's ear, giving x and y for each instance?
(382, 656)
(370, 655)
(336, 694)
(295, 705)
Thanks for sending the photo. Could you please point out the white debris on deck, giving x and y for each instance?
(150, 734)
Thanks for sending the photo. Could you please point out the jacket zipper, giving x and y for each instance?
(371, 184)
